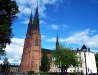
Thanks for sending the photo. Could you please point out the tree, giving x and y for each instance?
(65, 57)
(5, 65)
(8, 14)
(96, 58)
(45, 65)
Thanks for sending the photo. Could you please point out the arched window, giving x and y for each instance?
(36, 42)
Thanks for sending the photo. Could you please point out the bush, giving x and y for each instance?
(30, 72)
(44, 74)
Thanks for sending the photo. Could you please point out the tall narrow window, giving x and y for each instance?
(36, 66)
(36, 42)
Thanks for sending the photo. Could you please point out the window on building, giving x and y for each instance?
(79, 53)
(81, 65)
(74, 71)
(36, 42)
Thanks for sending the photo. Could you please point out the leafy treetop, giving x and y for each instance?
(65, 57)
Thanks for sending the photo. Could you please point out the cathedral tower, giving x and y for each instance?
(31, 56)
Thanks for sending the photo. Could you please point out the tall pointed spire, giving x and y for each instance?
(30, 24)
(30, 21)
(36, 20)
(57, 40)
(36, 13)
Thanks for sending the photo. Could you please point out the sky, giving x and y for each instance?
(75, 20)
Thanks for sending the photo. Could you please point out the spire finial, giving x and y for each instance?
(37, 2)
(57, 33)
(36, 19)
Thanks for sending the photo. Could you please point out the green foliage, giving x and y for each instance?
(96, 58)
(31, 72)
(5, 65)
(45, 65)
(43, 74)
(8, 11)
(6, 61)
(2, 52)
(65, 57)
(76, 73)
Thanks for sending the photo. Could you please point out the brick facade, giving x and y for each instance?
(31, 57)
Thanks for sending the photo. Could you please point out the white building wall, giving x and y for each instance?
(90, 62)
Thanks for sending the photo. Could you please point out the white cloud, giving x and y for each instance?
(14, 50)
(21, 2)
(26, 10)
(43, 36)
(49, 1)
(42, 11)
(53, 26)
(42, 22)
(65, 26)
(52, 19)
(25, 6)
(56, 27)
(26, 21)
(59, 2)
(51, 40)
(80, 38)
(84, 37)
(93, 31)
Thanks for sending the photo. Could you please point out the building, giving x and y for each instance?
(11, 68)
(88, 62)
(31, 57)
(14, 68)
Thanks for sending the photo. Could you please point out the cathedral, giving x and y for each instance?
(32, 51)
(31, 57)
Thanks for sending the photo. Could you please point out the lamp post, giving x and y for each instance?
(85, 61)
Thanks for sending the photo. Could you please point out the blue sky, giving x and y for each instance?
(75, 20)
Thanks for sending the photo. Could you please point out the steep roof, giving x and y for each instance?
(49, 51)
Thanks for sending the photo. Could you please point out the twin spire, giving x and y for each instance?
(36, 14)
(33, 23)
